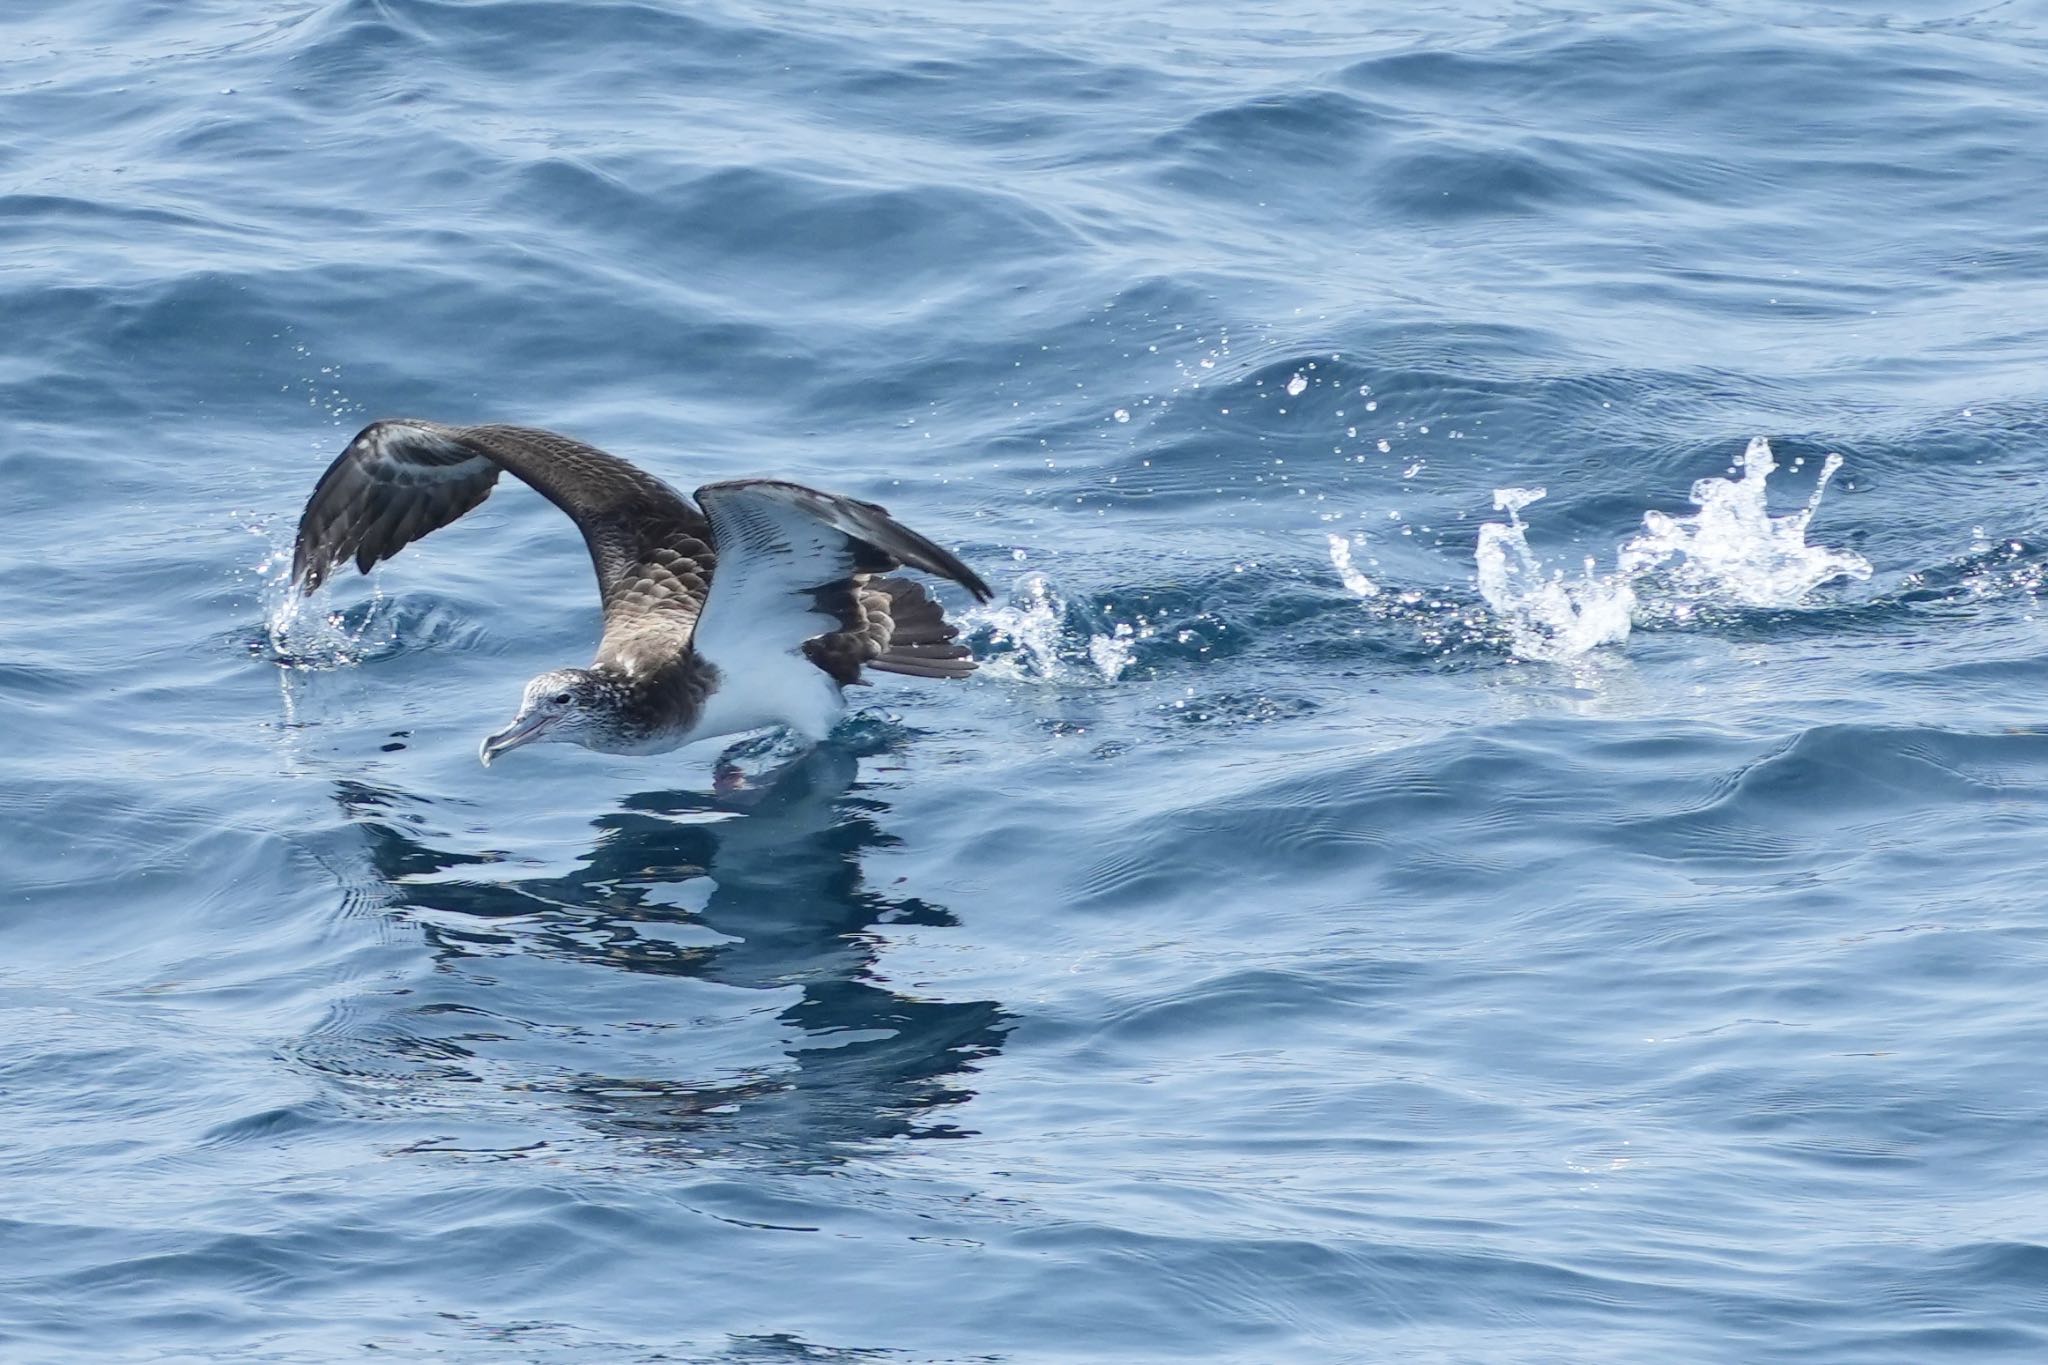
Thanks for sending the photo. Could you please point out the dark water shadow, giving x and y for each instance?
(783, 882)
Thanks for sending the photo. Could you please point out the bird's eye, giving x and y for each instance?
(561, 698)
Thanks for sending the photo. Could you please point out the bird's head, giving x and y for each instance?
(569, 704)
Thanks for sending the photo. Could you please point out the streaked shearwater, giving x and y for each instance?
(751, 608)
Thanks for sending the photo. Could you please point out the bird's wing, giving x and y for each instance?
(398, 480)
(793, 565)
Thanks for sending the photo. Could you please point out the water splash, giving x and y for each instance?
(1111, 654)
(310, 639)
(1731, 552)
(1348, 573)
(1734, 549)
(1028, 625)
(1548, 616)
(1036, 635)
(300, 636)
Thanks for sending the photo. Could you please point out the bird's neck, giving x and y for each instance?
(654, 708)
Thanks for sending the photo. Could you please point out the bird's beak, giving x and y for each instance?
(525, 730)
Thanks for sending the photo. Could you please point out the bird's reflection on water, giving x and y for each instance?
(782, 885)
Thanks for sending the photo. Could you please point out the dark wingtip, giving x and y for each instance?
(947, 564)
(306, 574)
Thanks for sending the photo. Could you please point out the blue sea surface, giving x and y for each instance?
(1359, 912)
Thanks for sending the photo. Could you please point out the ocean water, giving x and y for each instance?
(1362, 911)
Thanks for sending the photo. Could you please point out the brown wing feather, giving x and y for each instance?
(400, 479)
(394, 483)
(921, 641)
(904, 630)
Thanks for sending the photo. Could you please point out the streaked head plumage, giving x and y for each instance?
(571, 705)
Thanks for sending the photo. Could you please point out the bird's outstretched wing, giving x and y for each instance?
(400, 479)
(793, 565)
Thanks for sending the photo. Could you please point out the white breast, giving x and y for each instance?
(790, 691)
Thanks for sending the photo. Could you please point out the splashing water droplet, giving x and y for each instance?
(1295, 386)
(1347, 572)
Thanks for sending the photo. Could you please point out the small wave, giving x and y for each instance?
(2008, 568)
(1731, 553)
(1422, 628)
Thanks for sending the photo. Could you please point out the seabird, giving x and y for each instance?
(749, 608)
